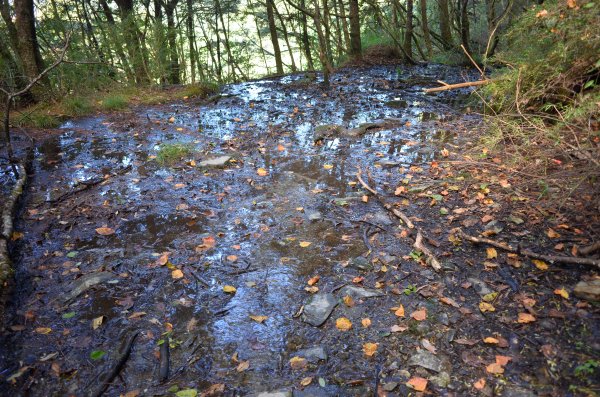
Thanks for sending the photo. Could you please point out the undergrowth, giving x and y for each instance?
(543, 107)
(171, 153)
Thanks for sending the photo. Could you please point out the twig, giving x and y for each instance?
(455, 86)
(431, 259)
(528, 253)
(590, 248)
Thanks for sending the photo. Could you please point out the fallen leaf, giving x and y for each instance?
(136, 315)
(229, 289)
(313, 280)
(427, 345)
(562, 292)
(348, 301)
(398, 328)
(551, 233)
(491, 341)
(419, 315)
(400, 311)
(495, 368)
(215, 390)
(525, 318)
(259, 319)
(97, 322)
(540, 264)
(327, 166)
(449, 301)
(343, 324)
(232, 258)
(370, 348)
(262, 172)
(417, 383)
(242, 366)
(177, 274)
(280, 147)
(305, 244)
(306, 381)
(312, 290)
(366, 322)
(43, 330)
(491, 253)
(105, 231)
(480, 384)
(298, 363)
(486, 307)
(502, 360)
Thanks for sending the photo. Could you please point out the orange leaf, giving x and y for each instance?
(105, 231)
(348, 301)
(177, 274)
(419, 315)
(242, 366)
(492, 341)
(313, 280)
(495, 368)
(525, 318)
(262, 172)
(259, 319)
(232, 258)
(417, 383)
(343, 324)
(562, 292)
(480, 384)
(400, 311)
(503, 360)
(370, 348)
(366, 322)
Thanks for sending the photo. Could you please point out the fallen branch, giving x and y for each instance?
(456, 86)
(590, 248)
(528, 253)
(8, 210)
(418, 242)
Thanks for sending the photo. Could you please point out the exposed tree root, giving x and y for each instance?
(8, 210)
(526, 252)
(418, 239)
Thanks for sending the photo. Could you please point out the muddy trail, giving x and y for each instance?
(255, 262)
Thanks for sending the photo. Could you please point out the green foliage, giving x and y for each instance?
(77, 106)
(587, 368)
(37, 119)
(200, 90)
(114, 102)
(170, 153)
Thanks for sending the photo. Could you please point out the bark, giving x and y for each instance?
(274, 38)
(191, 39)
(355, 45)
(408, 34)
(425, 28)
(345, 29)
(465, 35)
(305, 38)
(286, 38)
(327, 68)
(174, 69)
(444, 19)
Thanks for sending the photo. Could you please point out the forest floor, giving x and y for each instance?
(271, 268)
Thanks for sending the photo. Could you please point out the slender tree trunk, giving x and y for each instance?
(465, 35)
(355, 45)
(408, 34)
(133, 44)
(327, 68)
(345, 29)
(305, 38)
(274, 38)
(425, 27)
(174, 69)
(444, 19)
(191, 39)
(286, 38)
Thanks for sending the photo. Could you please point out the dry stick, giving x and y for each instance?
(418, 243)
(590, 248)
(529, 253)
(455, 86)
(473, 62)
(7, 224)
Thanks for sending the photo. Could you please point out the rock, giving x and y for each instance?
(397, 104)
(494, 227)
(361, 263)
(588, 290)
(318, 309)
(359, 293)
(388, 163)
(381, 218)
(389, 386)
(220, 161)
(479, 286)
(515, 391)
(443, 319)
(441, 380)
(314, 216)
(86, 282)
(426, 360)
(281, 393)
(327, 130)
(313, 354)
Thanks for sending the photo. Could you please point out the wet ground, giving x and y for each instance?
(221, 262)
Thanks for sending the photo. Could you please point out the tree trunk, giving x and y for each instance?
(444, 17)
(274, 38)
(191, 39)
(327, 68)
(286, 38)
(465, 35)
(425, 27)
(409, 29)
(355, 45)
(345, 28)
(305, 38)
(133, 45)
(174, 72)
(129, 73)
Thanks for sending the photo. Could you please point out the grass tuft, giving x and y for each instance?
(114, 102)
(171, 153)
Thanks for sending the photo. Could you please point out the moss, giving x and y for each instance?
(114, 102)
(170, 153)
(200, 90)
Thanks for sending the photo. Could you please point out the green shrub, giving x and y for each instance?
(37, 119)
(77, 106)
(170, 153)
(114, 102)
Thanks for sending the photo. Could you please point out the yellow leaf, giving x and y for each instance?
(343, 324)
(417, 383)
(43, 330)
(486, 307)
(491, 253)
(259, 319)
(306, 381)
(328, 166)
(262, 172)
(492, 341)
(229, 289)
(105, 231)
(540, 264)
(525, 318)
(366, 322)
(552, 233)
(177, 274)
(312, 289)
(305, 244)
(562, 292)
(370, 348)
(298, 362)
(348, 301)
(495, 368)
(400, 311)
(97, 322)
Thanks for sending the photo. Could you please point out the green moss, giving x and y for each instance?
(171, 153)
(114, 102)
(200, 90)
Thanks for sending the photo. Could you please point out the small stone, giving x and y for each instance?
(479, 286)
(426, 360)
(441, 380)
(494, 227)
(588, 290)
(361, 263)
(389, 386)
(313, 354)
(318, 309)
(515, 391)
(282, 393)
(215, 162)
(359, 293)
(314, 216)
(443, 319)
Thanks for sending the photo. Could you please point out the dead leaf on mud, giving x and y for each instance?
(97, 322)
(366, 322)
(417, 383)
(306, 381)
(491, 253)
(313, 280)
(228, 289)
(207, 243)
(491, 340)
(305, 244)
(540, 264)
(259, 319)
(214, 391)
(398, 328)
(348, 301)
(525, 318)
(298, 363)
(551, 233)
(105, 231)
(486, 307)
(495, 368)
(177, 274)
(480, 384)
(43, 330)
(419, 315)
(370, 349)
(242, 366)
(428, 346)
(562, 292)
(343, 324)
(262, 172)
(449, 301)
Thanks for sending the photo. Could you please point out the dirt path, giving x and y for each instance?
(226, 263)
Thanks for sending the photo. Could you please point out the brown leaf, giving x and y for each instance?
(313, 280)
(419, 315)
(259, 319)
(176, 274)
(370, 348)
(242, 366)
(348, 301)
(417, 383)
(495, 368)
(399, 311)
(525, 318)
(503, 360)
(480, 384)
(366, 322)
(298, 363)
(105, 231)
(215, 390)
(398, 328)
(449, 301)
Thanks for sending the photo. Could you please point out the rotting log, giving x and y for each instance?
(447, 87)
(8, 210)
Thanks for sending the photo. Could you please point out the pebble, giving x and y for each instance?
(318, 309)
